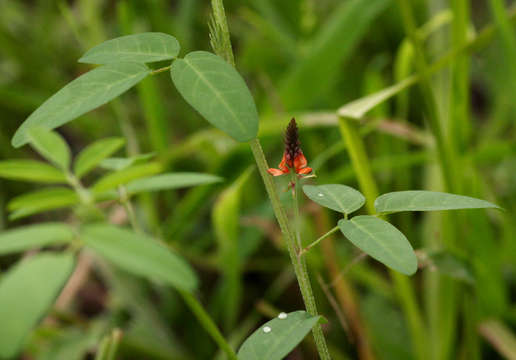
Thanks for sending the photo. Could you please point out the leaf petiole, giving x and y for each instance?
(321, 238)
(160, 70)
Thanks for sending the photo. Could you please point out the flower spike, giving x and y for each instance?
(293, 157)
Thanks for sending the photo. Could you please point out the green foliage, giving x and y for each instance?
(226, 224)
(122, 163)
(337, 197)
(26, 293)
(419, 200)
(170, 181)
(41, 200)
(31, 170)
(140, 255)
(85, 93)
(109, 346)
(306, 56)
(34, 236)
(451, 265)
(51, 146)
(382, 241)
(140, 48)
(218, 92)
(358, 108)
(315, 73)
(93, 155)
(277, 337)
(124, 176)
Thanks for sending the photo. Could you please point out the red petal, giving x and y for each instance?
(283, 164)
(300, 161)
(306, 170)
(275, 172)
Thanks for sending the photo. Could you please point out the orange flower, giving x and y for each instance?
(293, 157)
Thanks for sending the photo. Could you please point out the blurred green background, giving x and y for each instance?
(303, 58)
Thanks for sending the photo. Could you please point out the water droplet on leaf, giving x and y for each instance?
(282, 315)
(320, 194)
(266, 329)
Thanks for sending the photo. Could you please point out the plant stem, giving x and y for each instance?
(297, 216)
(128, 206)
(208, 324)
(221, 43)
(404, 290)
(293, 249)
(160, 70)
(321, 238)
(84, 195)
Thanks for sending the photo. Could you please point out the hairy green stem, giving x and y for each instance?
(219, 34)
(208, 324)
(292, 246)
(221, 43)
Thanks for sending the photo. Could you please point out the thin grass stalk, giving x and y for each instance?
(208, 324)
(503, 23)
(403, 287)
(197, 309)
(443, 148)
(402, 69)
(221, 43)
(443, 304)
(459, 126)
(460, 133)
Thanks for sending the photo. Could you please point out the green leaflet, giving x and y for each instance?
(170, 181)
(83, 94)
(276, 338)
(218, 92)
(93, 155)
(140, 48)
(124, 176)
(31, 170)
(337, 197)
(140, 255)
(382, 241)
(27, 290)
(41, 200)
(34, 236)
(51, 146)
(420, 200)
